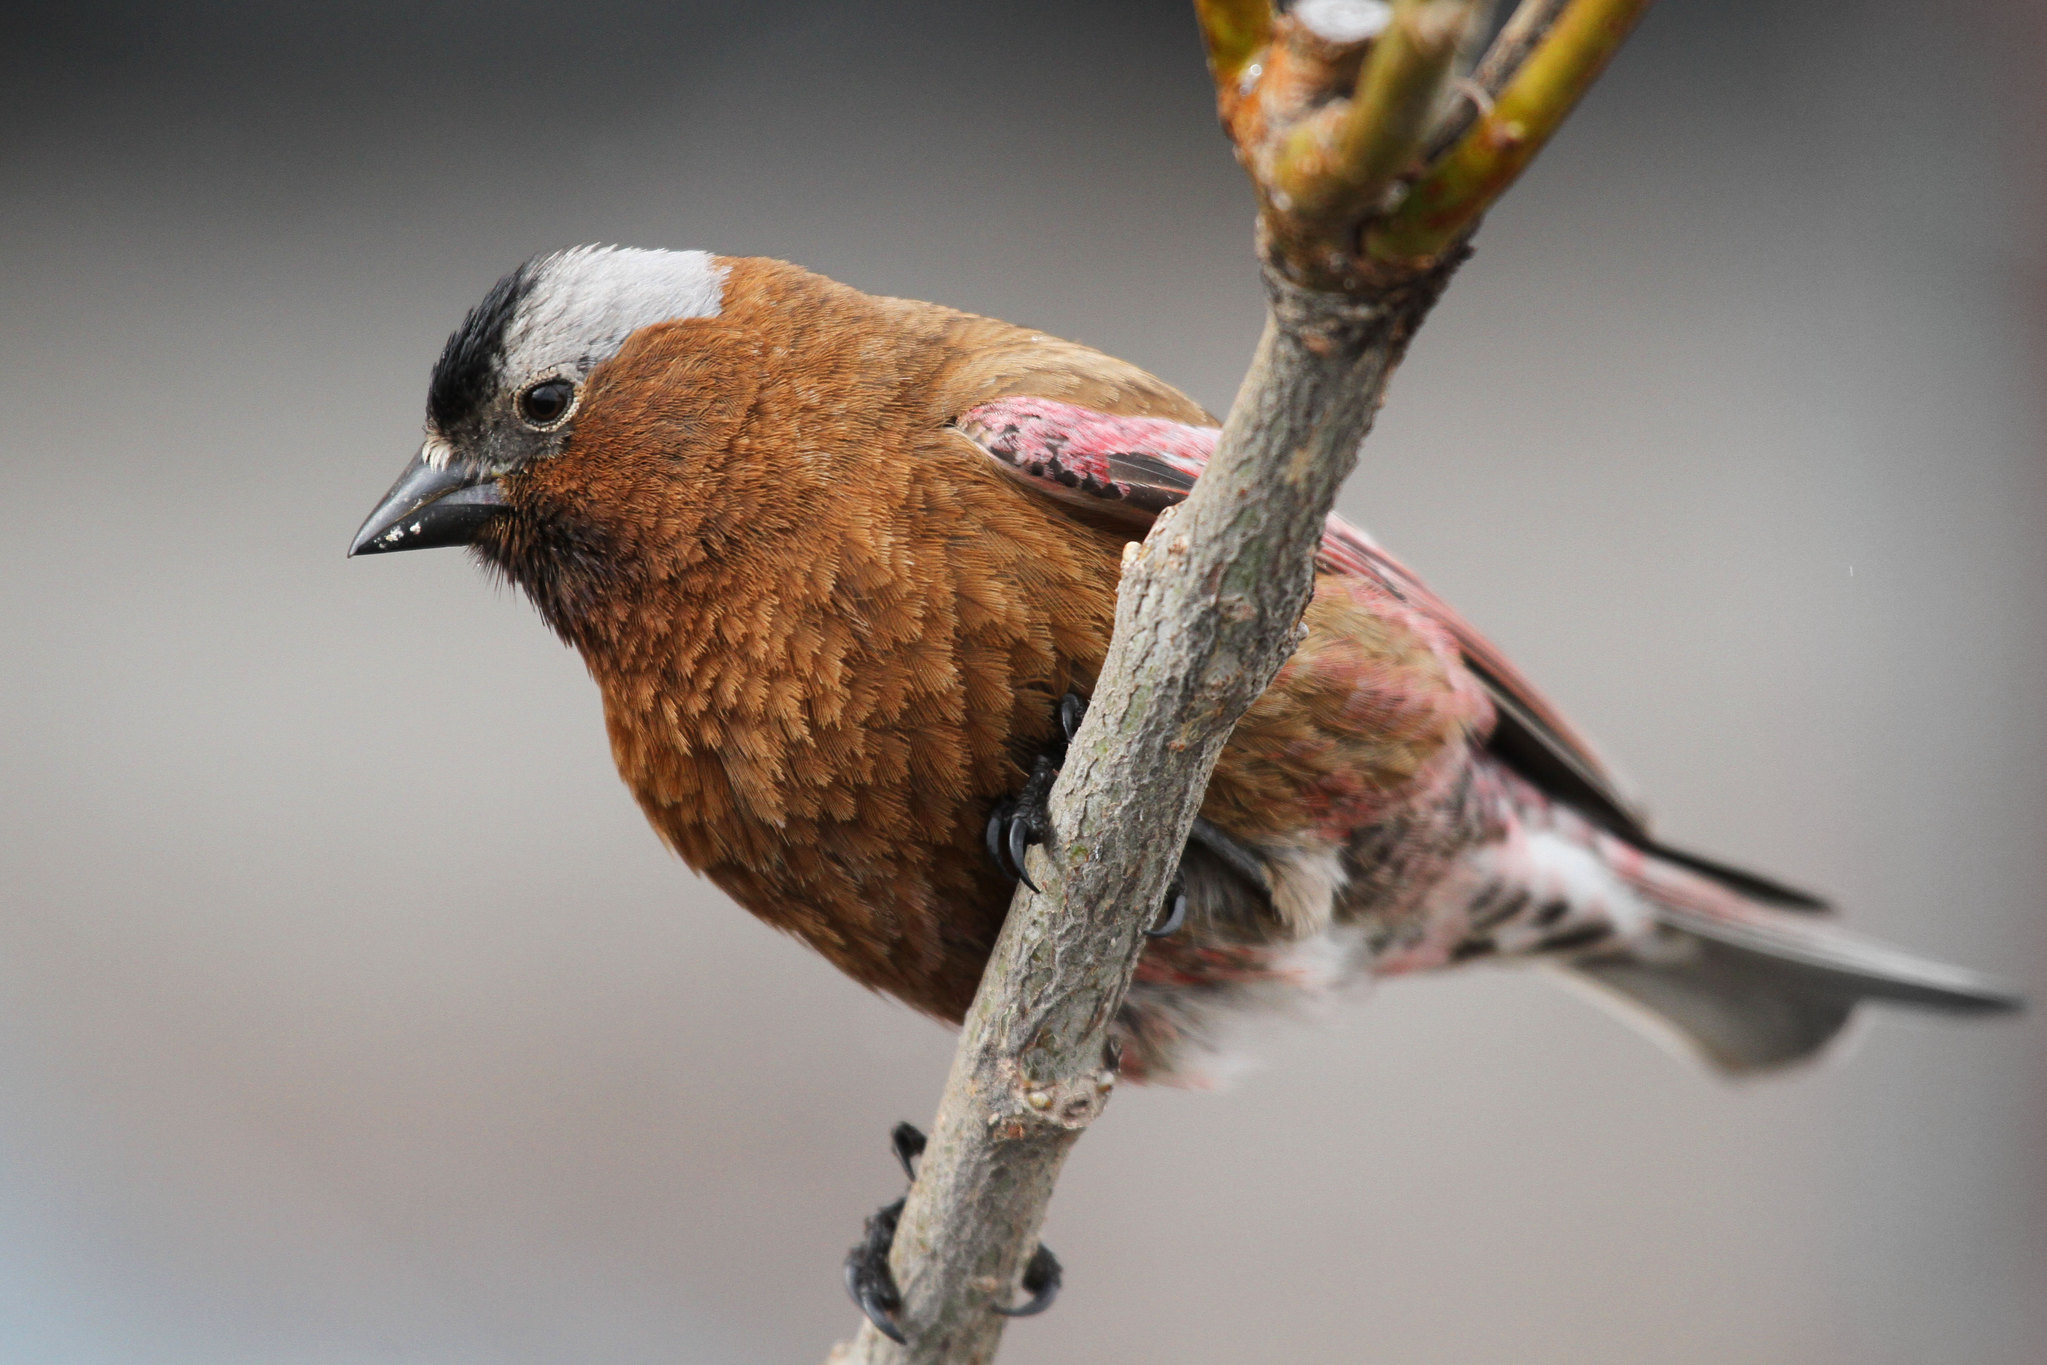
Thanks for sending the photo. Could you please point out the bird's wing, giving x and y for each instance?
(1530, 735)
(1128, 469)
(1131, 468)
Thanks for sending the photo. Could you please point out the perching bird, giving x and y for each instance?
(835, 560)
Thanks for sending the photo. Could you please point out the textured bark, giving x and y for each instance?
(1209, 606)
(1208, 611)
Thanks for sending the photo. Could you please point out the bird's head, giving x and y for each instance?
(516, 376)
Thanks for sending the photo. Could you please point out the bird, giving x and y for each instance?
(844, 569)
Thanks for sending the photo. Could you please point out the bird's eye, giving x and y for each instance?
(544, 403)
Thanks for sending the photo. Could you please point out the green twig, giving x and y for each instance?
(1510, 47)
(1446, 202)
(1338, 162)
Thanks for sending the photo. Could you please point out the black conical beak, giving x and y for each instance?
(438, 500)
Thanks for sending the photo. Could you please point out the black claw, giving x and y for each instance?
(907, 1141)
(1175, 917)
(872, 1285)
(883, 1322)
(1041, 1281)
(1019, 844)
(998, 819)
(1018, 822)
(1233, 855)
(869, 1281)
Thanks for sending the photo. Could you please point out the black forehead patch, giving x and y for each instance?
(466, 373)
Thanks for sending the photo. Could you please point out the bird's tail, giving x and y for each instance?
(1751, 976)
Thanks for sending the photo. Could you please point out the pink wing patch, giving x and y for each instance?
(1346, 549)
(1132, 468)
(1135, 466)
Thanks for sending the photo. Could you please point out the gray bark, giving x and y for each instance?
(1208, 610)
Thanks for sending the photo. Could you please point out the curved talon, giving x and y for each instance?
(907, 1141)
(1019, 844)
(879, 1309)
(872, 1285)
(1176, 917)
(1237, 858)
(998, 819)
(1041, 1280)
(869, 1281)
(1021, 820)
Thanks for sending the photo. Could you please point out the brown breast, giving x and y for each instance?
(829, 635)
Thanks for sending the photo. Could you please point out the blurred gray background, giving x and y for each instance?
(349, 1013)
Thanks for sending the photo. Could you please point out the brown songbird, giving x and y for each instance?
(844, 567)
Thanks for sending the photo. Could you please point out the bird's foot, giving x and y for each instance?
(1019, 821)
(869, 1281)
(872, 1284)
(1041, 1279)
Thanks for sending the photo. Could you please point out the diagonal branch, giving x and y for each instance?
(1208, 605)
(1204, 619)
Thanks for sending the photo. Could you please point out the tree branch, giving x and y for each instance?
(1524, 28)
(1339, 161)
(1205, 617)
(1207, 612)
(1447, 202)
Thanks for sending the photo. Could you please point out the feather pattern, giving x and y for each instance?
(1534, 849)
(833, 559)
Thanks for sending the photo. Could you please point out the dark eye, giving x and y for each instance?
(544, 403)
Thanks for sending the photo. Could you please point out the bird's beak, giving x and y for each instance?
(438, 500)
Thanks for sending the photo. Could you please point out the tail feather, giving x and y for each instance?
(1742, 882)
(1722, 1004)
(1830, 959)
(1750, 986)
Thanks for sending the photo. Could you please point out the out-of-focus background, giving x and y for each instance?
(348, 1012)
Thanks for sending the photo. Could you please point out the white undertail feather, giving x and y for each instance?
(1203, 1040)
(1305, 885)
(1744, 986)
